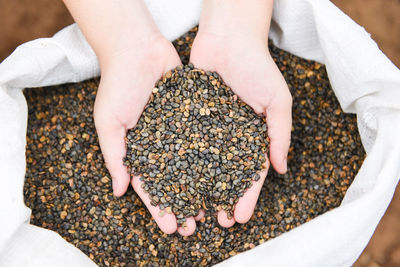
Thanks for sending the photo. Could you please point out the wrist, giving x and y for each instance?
(242, 20)
(222, 44)
(112, 27)
(130, 48)
(232, 30)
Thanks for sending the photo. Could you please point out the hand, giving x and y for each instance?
(133, 55)
(246, 65)
(126, 85)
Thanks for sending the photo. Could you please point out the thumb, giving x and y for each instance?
(112, 144)
(279, 121)
(246, 204)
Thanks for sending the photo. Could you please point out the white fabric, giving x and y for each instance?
(363, 79)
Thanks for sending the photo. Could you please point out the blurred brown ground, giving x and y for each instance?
(25, 20)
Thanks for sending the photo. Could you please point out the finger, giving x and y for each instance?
(113, 147)
(223, 220)
(279, 120)
(200, 215)
(246, 204)
(166, 221)
(188, 228)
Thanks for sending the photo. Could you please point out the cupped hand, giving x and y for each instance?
(248, 68)
(127, 80)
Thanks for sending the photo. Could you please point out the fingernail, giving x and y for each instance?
(115, 187)
(114, 183)
(285, 164)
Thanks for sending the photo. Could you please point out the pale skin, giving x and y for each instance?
(133, 55)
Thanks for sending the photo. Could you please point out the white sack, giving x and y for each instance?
(364, 81)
